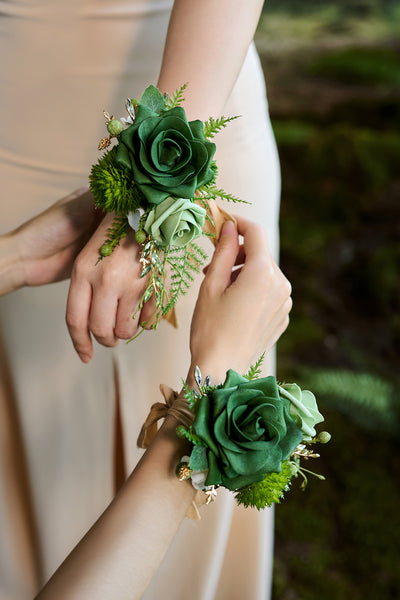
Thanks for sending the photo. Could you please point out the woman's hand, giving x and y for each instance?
(43, 249)
(103, 297)
(239, 313)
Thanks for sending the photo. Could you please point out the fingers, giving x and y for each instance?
(102, 317)
(254, 237)
(125, 325)
(147, 316)
(220, 269)
(77, 316)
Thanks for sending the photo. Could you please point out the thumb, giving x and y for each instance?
(220, 269)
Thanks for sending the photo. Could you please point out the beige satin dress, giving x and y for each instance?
(62, 63)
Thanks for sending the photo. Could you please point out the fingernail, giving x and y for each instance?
(85, 358)
(228, 228)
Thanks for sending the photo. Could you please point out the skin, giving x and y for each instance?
(121, 552)
(43, 249)
(103, 298)
(107, 563)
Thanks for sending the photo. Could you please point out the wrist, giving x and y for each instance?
(11, 269)
(213, 369)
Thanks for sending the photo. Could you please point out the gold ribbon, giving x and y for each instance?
(175, 404)
(218, 216)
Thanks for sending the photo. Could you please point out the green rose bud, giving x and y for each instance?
(303, 408)
(248, 430)
(115, 127)
(167, 155)
(175, 222)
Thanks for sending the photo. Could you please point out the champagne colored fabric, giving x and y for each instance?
(65, 63)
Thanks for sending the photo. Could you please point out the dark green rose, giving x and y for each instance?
(248, 430)
(167, 155)
(175, 222)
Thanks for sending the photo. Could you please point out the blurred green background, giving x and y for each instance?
(333, 78)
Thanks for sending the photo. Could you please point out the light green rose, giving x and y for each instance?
(303, 408)
(175, 222)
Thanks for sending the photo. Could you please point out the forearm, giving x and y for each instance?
(119, 555)
(11, 272)
(206, 45)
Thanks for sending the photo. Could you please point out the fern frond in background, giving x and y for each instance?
(366, 398)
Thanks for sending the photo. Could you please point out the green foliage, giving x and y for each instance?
(213, 126)
(211, 192)
(115, 233)
(153, 99)
(184, 263)
(177, 97)
(339, 234)
(154, 262)
(189, 434)
(191, 396)
(198, 458)
(359, 65)
(267, 492)
(112, 188)
(366, 398)
(255, 370)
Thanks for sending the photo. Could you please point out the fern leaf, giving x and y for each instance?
(184, 262)
(211, 192)
(255, 370)
(189, 434)
(115, 233)
(191, 396)
(213, 126)
(177, 98)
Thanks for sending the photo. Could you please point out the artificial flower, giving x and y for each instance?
(175, 222)
(247, 429)
(303, 408)
(166, 154)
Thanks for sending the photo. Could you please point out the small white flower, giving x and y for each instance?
(134, 218)
(199, 479)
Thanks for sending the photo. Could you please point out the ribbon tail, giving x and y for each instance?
(218, 216)
(171, 318)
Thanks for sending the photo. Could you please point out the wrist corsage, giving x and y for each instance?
(160, 180)
(249, 435)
